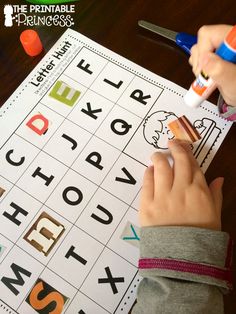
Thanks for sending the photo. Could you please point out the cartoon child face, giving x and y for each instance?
(155, 129)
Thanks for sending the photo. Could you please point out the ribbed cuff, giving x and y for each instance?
(227, 112)
(187, 253)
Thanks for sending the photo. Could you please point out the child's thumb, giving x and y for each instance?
(216, 192)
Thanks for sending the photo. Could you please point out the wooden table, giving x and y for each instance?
(113, 23)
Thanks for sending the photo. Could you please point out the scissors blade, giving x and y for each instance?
(164, 32)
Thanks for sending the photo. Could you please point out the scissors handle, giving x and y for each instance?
(185, 41)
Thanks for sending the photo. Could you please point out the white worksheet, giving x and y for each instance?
(76, 137)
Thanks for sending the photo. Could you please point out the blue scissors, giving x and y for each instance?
(183, 40)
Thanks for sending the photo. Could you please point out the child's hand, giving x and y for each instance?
(179, 196)
(203, 59)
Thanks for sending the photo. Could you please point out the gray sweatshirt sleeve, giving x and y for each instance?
(185, 270)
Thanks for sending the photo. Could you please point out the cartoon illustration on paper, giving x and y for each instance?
(155, 129)
(209, 132)
(157, 133)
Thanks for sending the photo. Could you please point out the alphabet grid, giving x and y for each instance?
(77, 136)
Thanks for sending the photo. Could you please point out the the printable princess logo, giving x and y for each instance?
(39, 15)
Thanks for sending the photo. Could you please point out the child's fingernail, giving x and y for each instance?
(174, 144)
(174, 141)
(221, 181)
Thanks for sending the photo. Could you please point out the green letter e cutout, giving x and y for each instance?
(64, 93)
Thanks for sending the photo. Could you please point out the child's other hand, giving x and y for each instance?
(203, 59)
(179, 195)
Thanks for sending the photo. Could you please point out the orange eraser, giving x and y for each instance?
(31, 42)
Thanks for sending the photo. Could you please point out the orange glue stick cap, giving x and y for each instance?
(31, 42)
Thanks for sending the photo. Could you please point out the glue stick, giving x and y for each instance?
(203, 86)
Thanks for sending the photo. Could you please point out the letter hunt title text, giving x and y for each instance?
(45, 71)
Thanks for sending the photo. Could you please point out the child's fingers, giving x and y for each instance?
(163, 174)
(216, 192)
(211, 36)
(218, 69)
(193, 60)
(194, 164)
(197, 174)
(147, 192)
(183, 173)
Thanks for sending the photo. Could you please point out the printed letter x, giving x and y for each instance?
(111, 280)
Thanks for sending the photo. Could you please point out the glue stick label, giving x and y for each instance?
(201, 84)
